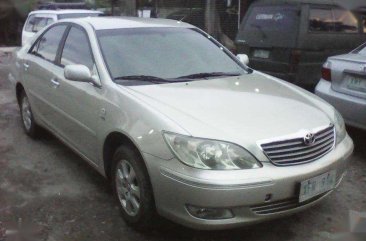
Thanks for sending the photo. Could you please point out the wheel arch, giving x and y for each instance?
(112, 142)
(19, 89)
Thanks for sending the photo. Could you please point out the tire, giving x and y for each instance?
(29, 125)
(132, 188)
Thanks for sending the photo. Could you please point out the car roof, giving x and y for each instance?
(64, 11)
(104, 23)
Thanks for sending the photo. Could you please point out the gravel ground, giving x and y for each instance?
(46, 187)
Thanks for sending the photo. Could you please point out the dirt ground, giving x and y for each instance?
(45, 186)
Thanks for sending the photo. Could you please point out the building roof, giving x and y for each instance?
(103, 23)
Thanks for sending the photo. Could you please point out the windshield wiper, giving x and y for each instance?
(147, 78)
(207, 75)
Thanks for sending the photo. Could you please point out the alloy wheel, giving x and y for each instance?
(128, 188)
(26, 114)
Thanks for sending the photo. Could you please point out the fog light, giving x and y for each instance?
(210, 213)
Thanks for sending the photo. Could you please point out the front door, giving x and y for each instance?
(78, 103)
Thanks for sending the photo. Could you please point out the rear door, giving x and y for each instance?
(39, 67)
(268, 34)
(349, 73)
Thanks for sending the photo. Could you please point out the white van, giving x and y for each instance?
(41, 18)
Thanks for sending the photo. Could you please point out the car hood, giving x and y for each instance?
(244, 109)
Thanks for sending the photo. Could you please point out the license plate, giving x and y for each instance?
(317, 185)
(260, 53)
(356, 83)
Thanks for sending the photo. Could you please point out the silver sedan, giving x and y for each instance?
(180, 126)
(343, 84)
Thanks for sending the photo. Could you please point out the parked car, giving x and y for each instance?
(178, 124)
(291, 39)
(41, 18)
(343, 84)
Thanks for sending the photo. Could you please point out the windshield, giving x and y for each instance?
(167, 53)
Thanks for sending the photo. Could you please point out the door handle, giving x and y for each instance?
(55, 83)
(26, 66)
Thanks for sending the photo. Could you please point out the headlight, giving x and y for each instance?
(210, 154)
(340, 126)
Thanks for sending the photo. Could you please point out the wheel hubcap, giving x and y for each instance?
(128, 188)
(26, 114)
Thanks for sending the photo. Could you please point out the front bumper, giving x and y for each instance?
(353, 109)
(244, 192)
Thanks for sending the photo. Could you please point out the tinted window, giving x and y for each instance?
(345, 21)
(47, 45)
(77, 50)
(77, 15)
(163, 52)
(273, 18)
(332, 20)
(321, 20)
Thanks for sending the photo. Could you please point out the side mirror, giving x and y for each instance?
(80, 73)
(243, 58)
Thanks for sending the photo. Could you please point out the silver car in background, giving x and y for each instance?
(180, 126)
(343, 85)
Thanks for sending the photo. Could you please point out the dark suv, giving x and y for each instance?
(292, 39)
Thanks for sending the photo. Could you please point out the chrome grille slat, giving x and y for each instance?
(295, 151)
(324, 134)
(299, 149)
(306, 158)
(307, 151)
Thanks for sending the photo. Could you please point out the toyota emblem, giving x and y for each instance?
(309, 139)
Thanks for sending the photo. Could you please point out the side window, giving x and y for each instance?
(30, 24)
(332, 20)
(364, 23)
(321, 20)
(345, 21)
(47, 46)
(76, 49)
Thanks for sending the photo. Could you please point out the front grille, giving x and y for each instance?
(295, 151)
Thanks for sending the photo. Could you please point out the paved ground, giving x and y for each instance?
(44, 184)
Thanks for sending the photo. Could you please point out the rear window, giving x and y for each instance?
(332, 20)
(281, 18)
(361, 50)
(35, 24)
(78, 15)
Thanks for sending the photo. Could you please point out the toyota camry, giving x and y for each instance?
(180, 126)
